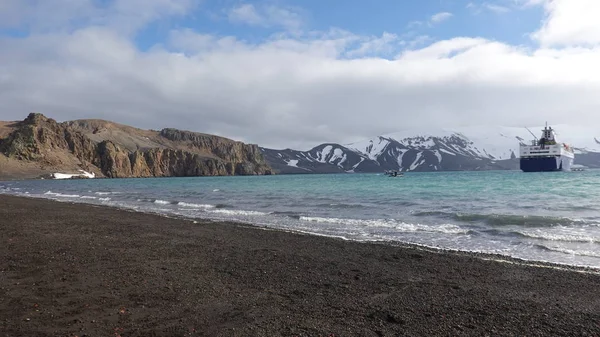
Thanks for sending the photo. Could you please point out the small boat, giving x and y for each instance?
(394, 173)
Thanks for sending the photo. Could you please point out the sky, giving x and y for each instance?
(294, 74)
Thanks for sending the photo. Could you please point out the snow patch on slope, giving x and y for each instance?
(323, 154)
(438, 155)
(415, 163)
(372, 148)
(83, 174)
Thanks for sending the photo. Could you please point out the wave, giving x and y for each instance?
(503, 219)
(565, 237)
(560, 237)
(569, 251)
(400, 226)
(220, 206)
(289, 214)
(236, 212)
(107, 193)
(60, 195)
(192, 205)
(183, 203)
(340, 205)
(157, 201)
(396, 203)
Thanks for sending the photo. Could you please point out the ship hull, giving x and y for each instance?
(546, 164)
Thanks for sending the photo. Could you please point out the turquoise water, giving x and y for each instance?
(551, 216)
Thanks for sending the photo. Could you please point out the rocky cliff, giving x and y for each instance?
(39, 145)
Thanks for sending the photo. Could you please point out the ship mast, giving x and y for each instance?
(531, 133)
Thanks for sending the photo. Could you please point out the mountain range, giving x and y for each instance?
(466, 148)
(39, 146)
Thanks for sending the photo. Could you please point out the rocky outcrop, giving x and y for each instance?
(246, 157)
(49, 143)
(167, 162)
(63, 145)
(113, 161)
(23, 143)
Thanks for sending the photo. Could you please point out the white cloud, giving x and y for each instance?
(440, 17)
(246, 13)
(570, 23)
(418, 41)
(496, 8)
(433, 20)
(486, 6)
(44, 15)
(266, 16)
(501, 6)
(127, 16)
(294, 90)
(414, 24)
(131, 15)
(375, 45)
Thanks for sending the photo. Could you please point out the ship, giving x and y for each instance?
(546, 154)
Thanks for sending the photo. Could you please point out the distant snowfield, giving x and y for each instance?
(83, 174)
(499, 142)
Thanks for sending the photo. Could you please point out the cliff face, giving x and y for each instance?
(43, 141)
(70, 146)
(244, 158)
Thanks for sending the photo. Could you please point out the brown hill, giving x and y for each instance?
(40, 146)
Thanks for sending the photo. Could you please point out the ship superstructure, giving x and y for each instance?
(546, 154)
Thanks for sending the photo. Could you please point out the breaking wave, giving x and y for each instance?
(192, 205)
(503, 219)
(569, 251)
(393, 224)
(60, 195)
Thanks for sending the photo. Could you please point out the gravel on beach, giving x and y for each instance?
(83, 270)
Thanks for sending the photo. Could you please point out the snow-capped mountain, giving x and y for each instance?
(468, 148)
(325, 158)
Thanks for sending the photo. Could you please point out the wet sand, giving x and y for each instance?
(82, 270)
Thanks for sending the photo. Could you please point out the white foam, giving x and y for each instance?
(192, 205)
(568, 237)
(574, 252)
(400, 226)
(161, 202)
(60, 195)
(106, 193)
(237, 212)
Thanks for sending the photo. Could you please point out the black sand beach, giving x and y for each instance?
(82, 270)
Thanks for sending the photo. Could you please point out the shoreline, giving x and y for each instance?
(83, 269)
(432, 249)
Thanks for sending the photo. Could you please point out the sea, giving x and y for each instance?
(550, 216)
